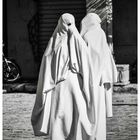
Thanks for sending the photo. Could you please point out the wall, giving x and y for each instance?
(125, 30)
(19, 12)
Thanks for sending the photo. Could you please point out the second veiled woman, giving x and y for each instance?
(104, 70)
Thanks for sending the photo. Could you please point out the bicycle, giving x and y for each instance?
(11, 70)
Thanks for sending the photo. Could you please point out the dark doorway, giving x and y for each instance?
(125, 34)
(125, 30)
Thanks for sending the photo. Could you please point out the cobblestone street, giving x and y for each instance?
(17, 108)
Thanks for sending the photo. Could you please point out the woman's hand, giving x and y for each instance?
(107, 86)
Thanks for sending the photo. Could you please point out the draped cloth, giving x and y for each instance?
(104, 70)
(64, 106)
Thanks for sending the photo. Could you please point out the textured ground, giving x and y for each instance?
(16, 116)
(17, 109)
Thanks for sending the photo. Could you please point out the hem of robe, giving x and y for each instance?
(39, 132)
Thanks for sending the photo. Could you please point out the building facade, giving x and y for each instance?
(28, 25)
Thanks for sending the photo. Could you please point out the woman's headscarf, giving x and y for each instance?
(88, 21)
(61, 30)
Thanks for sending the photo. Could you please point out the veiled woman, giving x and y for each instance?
(64, 105)
(104, 70)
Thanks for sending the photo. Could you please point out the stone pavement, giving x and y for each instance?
(16, 117)
(17, 109)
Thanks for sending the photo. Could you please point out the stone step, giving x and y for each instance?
(31, 88)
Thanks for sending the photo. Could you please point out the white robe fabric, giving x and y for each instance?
(64, 106)
(104, 70)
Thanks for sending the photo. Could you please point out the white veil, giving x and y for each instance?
(65, 51)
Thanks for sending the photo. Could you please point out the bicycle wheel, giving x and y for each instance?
(12, 72)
